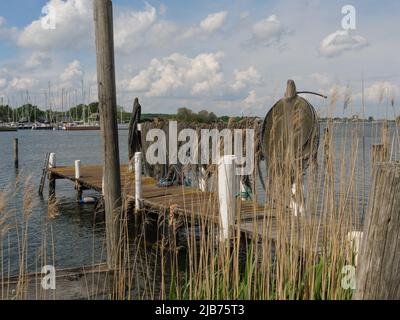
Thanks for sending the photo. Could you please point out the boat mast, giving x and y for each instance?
(50, 109)
(45, 105)
(62, 101)
(89, 111)
(76, 105)
(83, 101)
(8, 109)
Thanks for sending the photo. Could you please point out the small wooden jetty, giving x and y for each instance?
(181, 200)
(186, 204)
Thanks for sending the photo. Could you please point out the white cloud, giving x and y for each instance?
(267, 31)
(140, 29)
(246, 77)
(5, 32)
(253, 101)
(38, 60)
(179, 75)
(322, 79)
(72, 75)
(182, 76)
(212, 23)
(335, 92)
(251, 98)
(22, 83)
(134, 29)
(340, 41)
(378, 92)
(3, 83)
(244, 15)
(163, 9)
(73, 30)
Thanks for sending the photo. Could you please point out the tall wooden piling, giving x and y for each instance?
(103, 21)
(378, 270)
(78, 186)
(138, 180)
(16, 160)
(52, 178)
(226, 195)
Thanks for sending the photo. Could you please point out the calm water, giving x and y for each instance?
(77, 235)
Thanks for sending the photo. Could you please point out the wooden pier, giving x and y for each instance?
(186, 203)
(178, 200)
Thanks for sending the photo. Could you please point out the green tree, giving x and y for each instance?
(184, 114)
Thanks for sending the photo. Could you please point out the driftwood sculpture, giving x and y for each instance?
(134, 135)
(290, 139)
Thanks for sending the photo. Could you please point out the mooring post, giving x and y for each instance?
(16, 162)
(377, 274)
(379, 153)
(78, 186)
(202, 179)
(52, 178)
(243, 191)
(138, 180)
(104, 34)
(77, 169)
(226, 193)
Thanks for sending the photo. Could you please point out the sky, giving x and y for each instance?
(230, 57)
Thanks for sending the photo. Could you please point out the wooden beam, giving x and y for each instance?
(226, 195)
(378, 268)
(16, 162)
(103, 20)
(52, 177)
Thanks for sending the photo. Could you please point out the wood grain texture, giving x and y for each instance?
(191, 205)
(104, 33)
(378, 273)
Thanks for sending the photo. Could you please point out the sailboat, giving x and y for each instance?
(81, 126)
(122, 125)
(6, 127)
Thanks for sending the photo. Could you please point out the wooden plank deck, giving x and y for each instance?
(254, 220)
(180, 200)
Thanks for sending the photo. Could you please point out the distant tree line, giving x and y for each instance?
(185, 114)
(24, 113)
(90, 112)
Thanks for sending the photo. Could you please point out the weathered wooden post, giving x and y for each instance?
(16, 162)
(386, 139)
(226, 193)
(77, 169)
(202, 179)
(138, 180)
(52, 178)
(379, 153)
(103, 21)
(78, 186)
(378, 270)
(102, 186)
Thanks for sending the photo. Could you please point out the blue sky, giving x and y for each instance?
(232, 57)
